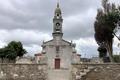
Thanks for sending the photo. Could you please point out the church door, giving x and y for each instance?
(57, 63)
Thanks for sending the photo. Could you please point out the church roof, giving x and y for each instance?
(48, 41)
(39, 54)
(66, 41)
(53, 40)
(78, 54)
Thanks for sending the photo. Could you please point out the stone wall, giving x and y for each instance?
(96, 71)
(78, 71)
(23, 72)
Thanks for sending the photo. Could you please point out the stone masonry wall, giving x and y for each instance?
(23, 72)
(78, 71)
(96, 71)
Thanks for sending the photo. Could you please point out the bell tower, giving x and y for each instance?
(57, 23)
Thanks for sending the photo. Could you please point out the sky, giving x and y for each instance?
(30, 21)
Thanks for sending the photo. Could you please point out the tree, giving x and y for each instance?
(16, 47)
(102, 52)
(116, 58)
(2, 54)
(12, 50)
(105, 26)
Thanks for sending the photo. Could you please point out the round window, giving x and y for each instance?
(57, 24)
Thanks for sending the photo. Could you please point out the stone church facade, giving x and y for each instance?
(59, 52)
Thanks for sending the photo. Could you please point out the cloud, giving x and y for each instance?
(81, 25)
(25, 36)
(33, 49)
(87, 47)
(30, 39)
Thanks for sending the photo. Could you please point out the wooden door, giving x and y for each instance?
(57, 63)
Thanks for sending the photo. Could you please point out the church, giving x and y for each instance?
(58, 53)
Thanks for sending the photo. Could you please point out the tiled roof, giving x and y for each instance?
(39, 54)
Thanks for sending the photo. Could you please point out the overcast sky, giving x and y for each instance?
(30, 21)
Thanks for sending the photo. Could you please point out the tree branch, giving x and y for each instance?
(116, 36)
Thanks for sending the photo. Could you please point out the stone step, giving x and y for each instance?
(58, 74)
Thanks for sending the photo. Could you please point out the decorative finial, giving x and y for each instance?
(57, 4)
(58, 10)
